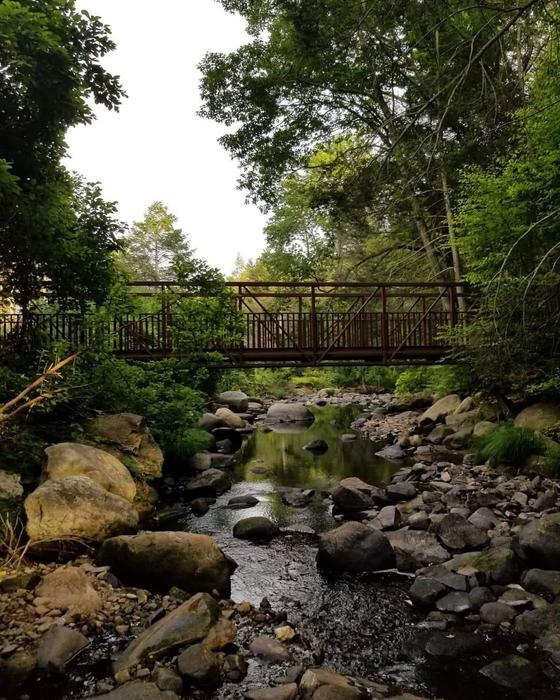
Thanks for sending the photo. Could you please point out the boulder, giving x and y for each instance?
(499, 565)
(355, 547)
(58, 646)
(540, 416)
(229, 418)
(539, 541)
(228, 440)
(236, 400)
(333, 692)
(127, 435)
(77, 507)
(199, 666)
(269, 649)
(209, 483)
(298, 498)
(220, 635)
(542, 581)
(415, 549)
(72, 459)
(392, 453)
(401, 491)
(455, 532)
(459, 644)
(350, 500)
(466, 405)
(159, 560)
(482, 427)
(208, 421)
(239, 502)
(167, 679)
(483, 518)
(255, 529)
(438, 434)
(456, 602)
(425, 591)
(460, 439)
(137, 690)
(314, 678)
(496, 613)
(289, 413)
(69, 588)
(200, 461)
(440, 409)
(188, 623)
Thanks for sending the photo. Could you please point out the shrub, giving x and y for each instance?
(436, 381)
(507, 444)
(551, 462)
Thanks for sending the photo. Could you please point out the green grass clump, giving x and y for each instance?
(551, 462)
(507, 444)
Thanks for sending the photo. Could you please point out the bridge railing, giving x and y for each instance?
(306, 323)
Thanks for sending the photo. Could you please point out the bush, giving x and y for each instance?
(436, 381)
(551, 462)
(507, 444)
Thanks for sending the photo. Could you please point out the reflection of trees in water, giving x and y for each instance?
(288, 464)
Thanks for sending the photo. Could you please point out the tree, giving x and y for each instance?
(155, 248)
(56, 235)
(420, 89)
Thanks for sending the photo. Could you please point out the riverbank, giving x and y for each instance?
(477, 602)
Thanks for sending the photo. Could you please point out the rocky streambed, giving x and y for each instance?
(349, 548)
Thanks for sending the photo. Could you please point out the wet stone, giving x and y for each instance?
(513, 672)
(453, 646)
(402, 491)
(269, 649)
(425, 591)
(454, 602)
(496, 613)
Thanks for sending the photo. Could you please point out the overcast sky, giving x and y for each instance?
(156, 147)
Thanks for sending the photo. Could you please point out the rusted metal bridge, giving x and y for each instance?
(270, 323)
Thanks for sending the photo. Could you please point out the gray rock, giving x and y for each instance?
(498, 564)
(333, 692)
(438, 434)
(484, 518)
(415, 549)
(298, 498)
(419, 521)
(513, 672)
(455, 532)
(425, 591)
(496, 613)
(289, 413)
(201, 461)
(542, 581)
(440, 409)
(350, 499)
(166, 679)
(288, 691)
(230, 419)
(255, 529)
(208, 421)
(402, 491)
(235, 400)
(479, 595)
(540, 416)
(393, 453)
(160, 560)
(454, 602)
(239, 502)
(200, 506)
(210, 483)
(199, 666)
(58, 646)
(355, 547)
(388, 518)
(188, 623)
(539, 541)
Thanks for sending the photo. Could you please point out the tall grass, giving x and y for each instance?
(507, 444)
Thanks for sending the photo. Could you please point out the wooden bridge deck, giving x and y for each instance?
(274, 323)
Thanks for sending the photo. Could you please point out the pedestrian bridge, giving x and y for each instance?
(251, 324)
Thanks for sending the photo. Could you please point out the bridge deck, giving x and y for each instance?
(275, 323)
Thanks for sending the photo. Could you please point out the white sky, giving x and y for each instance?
(156, 147)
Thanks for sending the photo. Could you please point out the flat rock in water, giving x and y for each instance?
(188, 623)
(289, 413)
(513, 672)
(137, 690)
(239, 502)
(349, 499)
(288, 691)
(58, 646)
(453, 645)
(298, 498)
(393, 453)
(269, 649)
(257, 528)
(318, 447)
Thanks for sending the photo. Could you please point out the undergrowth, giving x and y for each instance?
(508, 444)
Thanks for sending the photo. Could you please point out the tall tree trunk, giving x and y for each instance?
(452, 239)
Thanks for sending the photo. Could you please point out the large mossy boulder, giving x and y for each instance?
(355, 547)
(159, 560)
(77, 507)
(440, 409)
(187, 624)
(127, 436)
(237, 401)
(540, 416)
(256, 529)
(539, 541)
(499, 565)
(73, 459)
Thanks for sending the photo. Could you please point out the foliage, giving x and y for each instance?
(551, 462)
(55, 231)
(507, 444)
(154, 246)
(435, 381)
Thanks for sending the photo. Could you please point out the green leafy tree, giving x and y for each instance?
(155, 249)
(50, 226)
